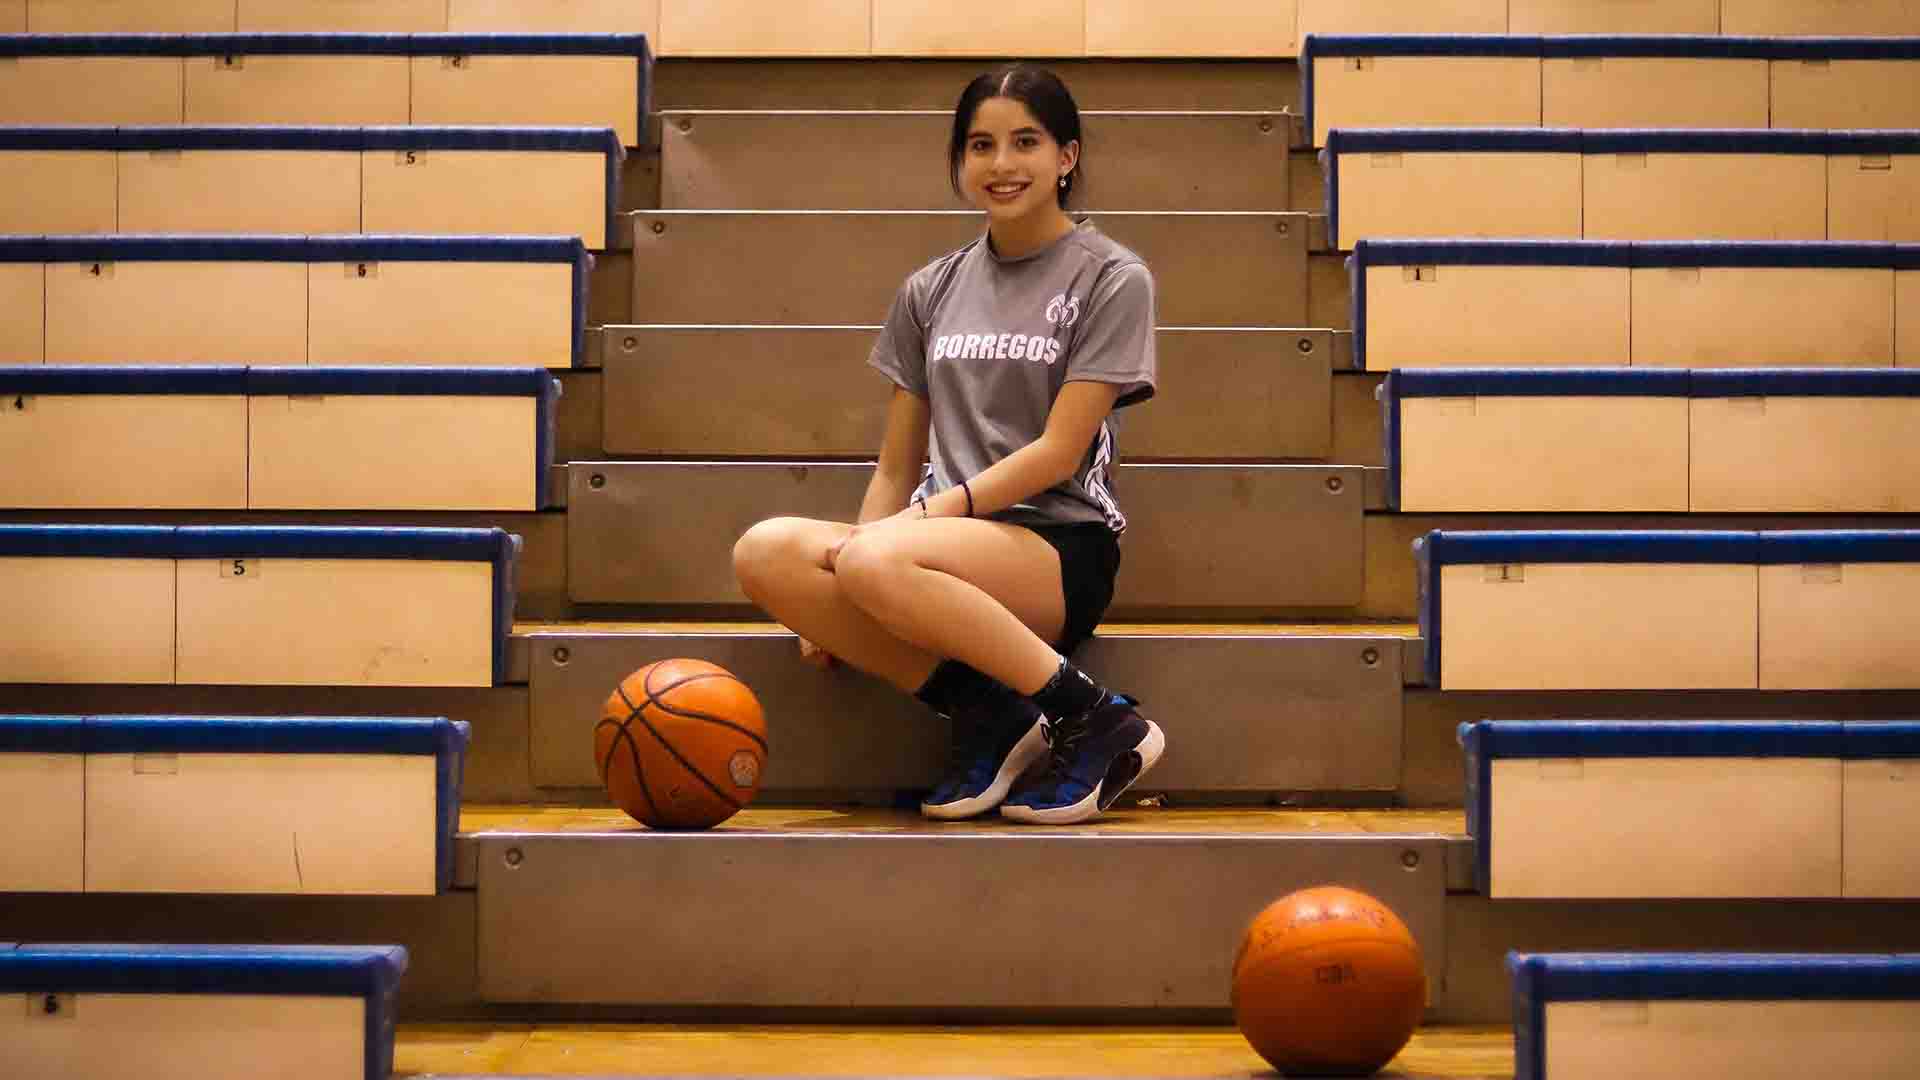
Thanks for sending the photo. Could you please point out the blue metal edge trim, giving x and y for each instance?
(171, 248)
(450, 760)
(1479, 802)
(87, 541)
(546, 436)
(1422, 45)
(43, 734)
(1436, 139)
(1594, 546)
(1427, 578)
(1377, 252)
(1876, 740)
(507, 556)
(1840, 546)
(1566, 738)
(527, 382)
(338, 542)
(582, 275)
(1390, 408)
(1764, 253)
(1357, 265)
(1805, 382)
(452, 249)
(116, 381)
(1529, 1017)
(195, 248)
(1874, 142)
(1721, 976)
(390, 735)
(323, 44)
(1847, 48)
(1703, 141)
(1677, 46)
(1542, 382)
(1330, 166)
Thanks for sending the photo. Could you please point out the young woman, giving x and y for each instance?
(988, 539)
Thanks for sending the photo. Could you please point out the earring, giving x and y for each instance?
(1063, 182)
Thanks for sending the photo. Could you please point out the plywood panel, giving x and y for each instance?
(484, 191)
(1425, 91)
(86, 620)
(1503, 454)
(13, 16)
(1653, 92)
(1202, 28)
(1613, 17)
(575, 91)
(296, 90)
(343, 16)
(46, 793)
(424, 313)
(763, 28)
(1519, 316)
(1865, 94)
(320, 824)
(1459, 195)
(138, 452)
(52, 192)
(1627, 626)
(190, 1037)
(1037, 29)
(1705, 196)
(176, 313)
(1906, 318)
(1666, 828)
(1882, 798)
(1839, 628)
(392, 453)
(128, 16)
(23, 305)
(557, 17)
(1402, 17)
(1874, 199)
(1817, 18)
(1725, 1040)
(240, 191)
(98, 91)
(335, 622)
(1805, 455)
(1762, 317)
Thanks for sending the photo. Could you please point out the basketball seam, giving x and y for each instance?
(690, 714)
(633, 751)
(641, 715)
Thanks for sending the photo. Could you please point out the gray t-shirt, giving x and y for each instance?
(989, 342)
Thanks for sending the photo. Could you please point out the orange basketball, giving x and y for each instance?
(1328, 981)
(681, 744)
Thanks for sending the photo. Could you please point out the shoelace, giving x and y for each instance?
(1061, 736)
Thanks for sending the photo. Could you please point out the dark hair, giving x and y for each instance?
(1044, 95)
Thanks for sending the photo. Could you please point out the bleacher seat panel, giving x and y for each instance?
(1820, 18)
(1496, 454)
(48, 790)
(1666, 828)
(493, 192)
(1839, 627)
(1209, 28)
(1906, 314)
(240, 191)
(297, 90)
(575, 91)
(1683, 196)
(955, 28)
(1874, 199)
(341, 16)
(321, 824)
(23, 308)
(1762, 317)
(1520, 194)
(1653, 92)
(1236, 394)
(87, 620)
(125, 452)
(1882, 800)
(371, 452)
(1613, 17)
(1626, 626)
(746, 28)
(1805, 455)
(129, 16)
(13, 16)
(175, 1037)
(260, 629)
(176, 313)
(64, 192)
(425, 313)
(1846, 94)
(1401, 17)
(1424, 91)
(90, 90)
(1728, 1040)
(1497, 316)
(569, 17)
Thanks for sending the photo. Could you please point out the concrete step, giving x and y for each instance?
(798, 160)
(660, 534)
(741, 267)
(1254, 394)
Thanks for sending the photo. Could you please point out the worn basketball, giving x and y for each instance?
(1328, 982)
(681, 744)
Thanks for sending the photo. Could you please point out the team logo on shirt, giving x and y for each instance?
(1063, 311)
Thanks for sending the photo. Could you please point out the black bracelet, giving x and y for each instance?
(921, 502)
(969, 491)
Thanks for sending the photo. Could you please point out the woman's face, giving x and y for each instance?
(1012, 167)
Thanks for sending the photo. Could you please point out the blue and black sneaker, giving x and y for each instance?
(994, 744)
(1096, 756)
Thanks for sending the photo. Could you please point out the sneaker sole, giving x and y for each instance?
(1031, 748)
(1126, 769)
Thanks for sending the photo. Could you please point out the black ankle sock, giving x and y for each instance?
(1070, 692)
(953, 685)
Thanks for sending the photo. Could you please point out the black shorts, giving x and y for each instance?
(1089, 561)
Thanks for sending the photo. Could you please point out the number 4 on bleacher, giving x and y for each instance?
(239, 569)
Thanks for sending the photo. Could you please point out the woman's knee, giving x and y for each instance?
(764, 551)
(866, 567)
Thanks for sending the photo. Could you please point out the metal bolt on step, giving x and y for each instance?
(1305, 345)
(659, 227)
(1410, 859)
(1282, 228)
(597, 481)
(1370, 657)
(1266, 125)
(686, 123)
(629, 343)
(1335, 485)
(561, 655)
(514, 857)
